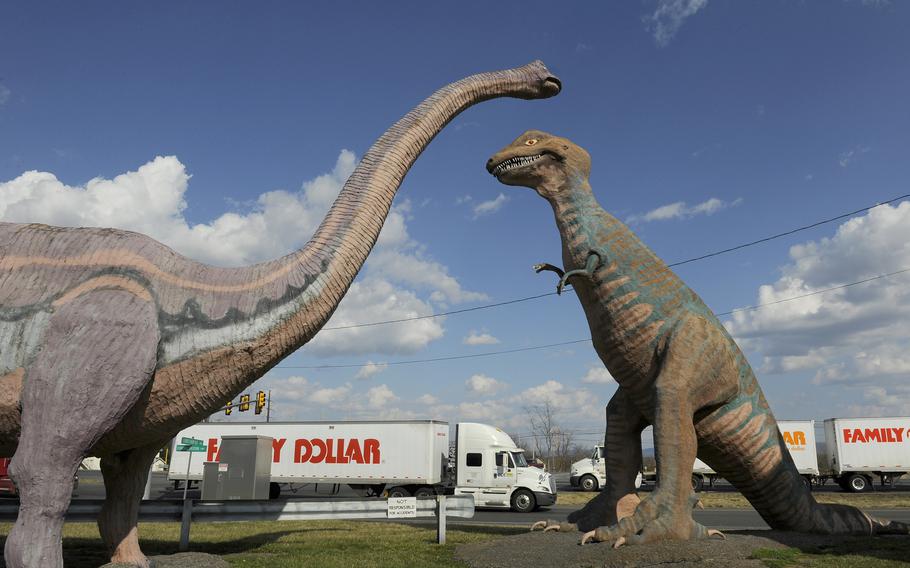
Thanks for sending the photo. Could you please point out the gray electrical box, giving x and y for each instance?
(243, 472)
(212, 483)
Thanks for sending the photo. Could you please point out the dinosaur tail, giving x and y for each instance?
(743, 444)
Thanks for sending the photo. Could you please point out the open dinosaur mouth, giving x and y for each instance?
(516, 162)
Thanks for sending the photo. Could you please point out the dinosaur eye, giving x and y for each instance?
(531, 142)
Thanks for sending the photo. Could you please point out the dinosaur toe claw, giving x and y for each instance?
(539, 525)
(715, 532)
(619, 542)
(588, 536)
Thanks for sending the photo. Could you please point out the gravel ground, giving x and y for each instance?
(562, 549)
(181, 560)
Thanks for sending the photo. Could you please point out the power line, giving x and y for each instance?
(677, 263)
(564, 343)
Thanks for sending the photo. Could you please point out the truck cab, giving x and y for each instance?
(589, 474)
(492, 468)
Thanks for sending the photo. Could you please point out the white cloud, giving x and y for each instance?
(847, 157)
(479, 338)
(4, 94)
(491, 206)
(152, 200)
(370, 369)
(598, 375)
(330, 396)
(571, 401)
(374, 300)
(427, 399)
(669, 16)
(680, 210)
(857, 336)
(380, 396)
(483, 385)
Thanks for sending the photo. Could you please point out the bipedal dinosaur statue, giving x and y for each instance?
(110, 342)
(677, 367)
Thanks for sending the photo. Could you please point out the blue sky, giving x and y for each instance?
(710, 124)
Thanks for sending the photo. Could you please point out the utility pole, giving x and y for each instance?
(268, 406)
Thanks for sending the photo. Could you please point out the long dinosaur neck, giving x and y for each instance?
(328, 263)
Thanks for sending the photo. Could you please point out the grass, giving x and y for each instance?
(291, 544)
(734, 500)
(851, 553)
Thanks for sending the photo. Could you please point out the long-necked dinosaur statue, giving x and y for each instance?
(677, 368)
(110, 342)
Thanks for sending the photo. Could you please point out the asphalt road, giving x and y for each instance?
(92, 487)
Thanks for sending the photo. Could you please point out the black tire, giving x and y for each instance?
(523, 501)
(425, 492)
(399, 492)
(857, 483)
(698, 483)
(808, 482)
(588, 483)
(274, 490)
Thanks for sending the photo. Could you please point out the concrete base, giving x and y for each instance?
(562, 549)
(181, 560)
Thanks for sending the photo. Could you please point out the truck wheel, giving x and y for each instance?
(399, 492)
(808, 481)
(274, 490)
(588, 483)
(523, 501)
(697, 483)
(857, 483)
(425, 492)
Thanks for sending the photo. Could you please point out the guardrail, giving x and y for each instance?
(82, 510)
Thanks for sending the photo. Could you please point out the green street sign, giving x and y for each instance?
(190, 441)
(190, 448)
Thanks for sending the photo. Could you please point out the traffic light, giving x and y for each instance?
(260, 402)
(228, 408)
(244, 402)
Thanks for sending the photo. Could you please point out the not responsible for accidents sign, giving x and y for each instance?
(402, 507)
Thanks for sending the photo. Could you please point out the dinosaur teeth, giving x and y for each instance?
(516, 162)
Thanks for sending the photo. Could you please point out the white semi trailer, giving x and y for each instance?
(857, 448)
(799, 435)
(400, 458)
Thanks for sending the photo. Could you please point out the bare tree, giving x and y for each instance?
(553, 442)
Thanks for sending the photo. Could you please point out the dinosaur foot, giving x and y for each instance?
(602, 511)
(655, 519)
(551, 525)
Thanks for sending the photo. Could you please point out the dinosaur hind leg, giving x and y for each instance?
(622, 445)
(99, 353)
(125, 475)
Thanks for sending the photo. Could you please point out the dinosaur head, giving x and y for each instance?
(541, 161)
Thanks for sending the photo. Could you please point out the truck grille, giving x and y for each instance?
(552, 485)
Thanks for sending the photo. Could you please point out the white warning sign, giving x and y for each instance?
(402, 507)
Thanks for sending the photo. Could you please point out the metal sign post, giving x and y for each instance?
(191, 445)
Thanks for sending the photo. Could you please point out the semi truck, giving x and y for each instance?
(799, 435)
(398, 458)
(857, 448)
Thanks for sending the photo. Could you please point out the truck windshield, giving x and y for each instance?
(520, 460)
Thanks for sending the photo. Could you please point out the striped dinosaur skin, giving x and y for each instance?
(111, 342)
(677, 368)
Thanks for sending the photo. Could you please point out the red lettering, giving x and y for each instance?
(277, 444)
(317, 443)
(340, 451)
(353, 452)
(873, 435)
(899, 434)
(302, 451)
(846, 436)
(212, 452)
(330, 451)
(371, 448)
